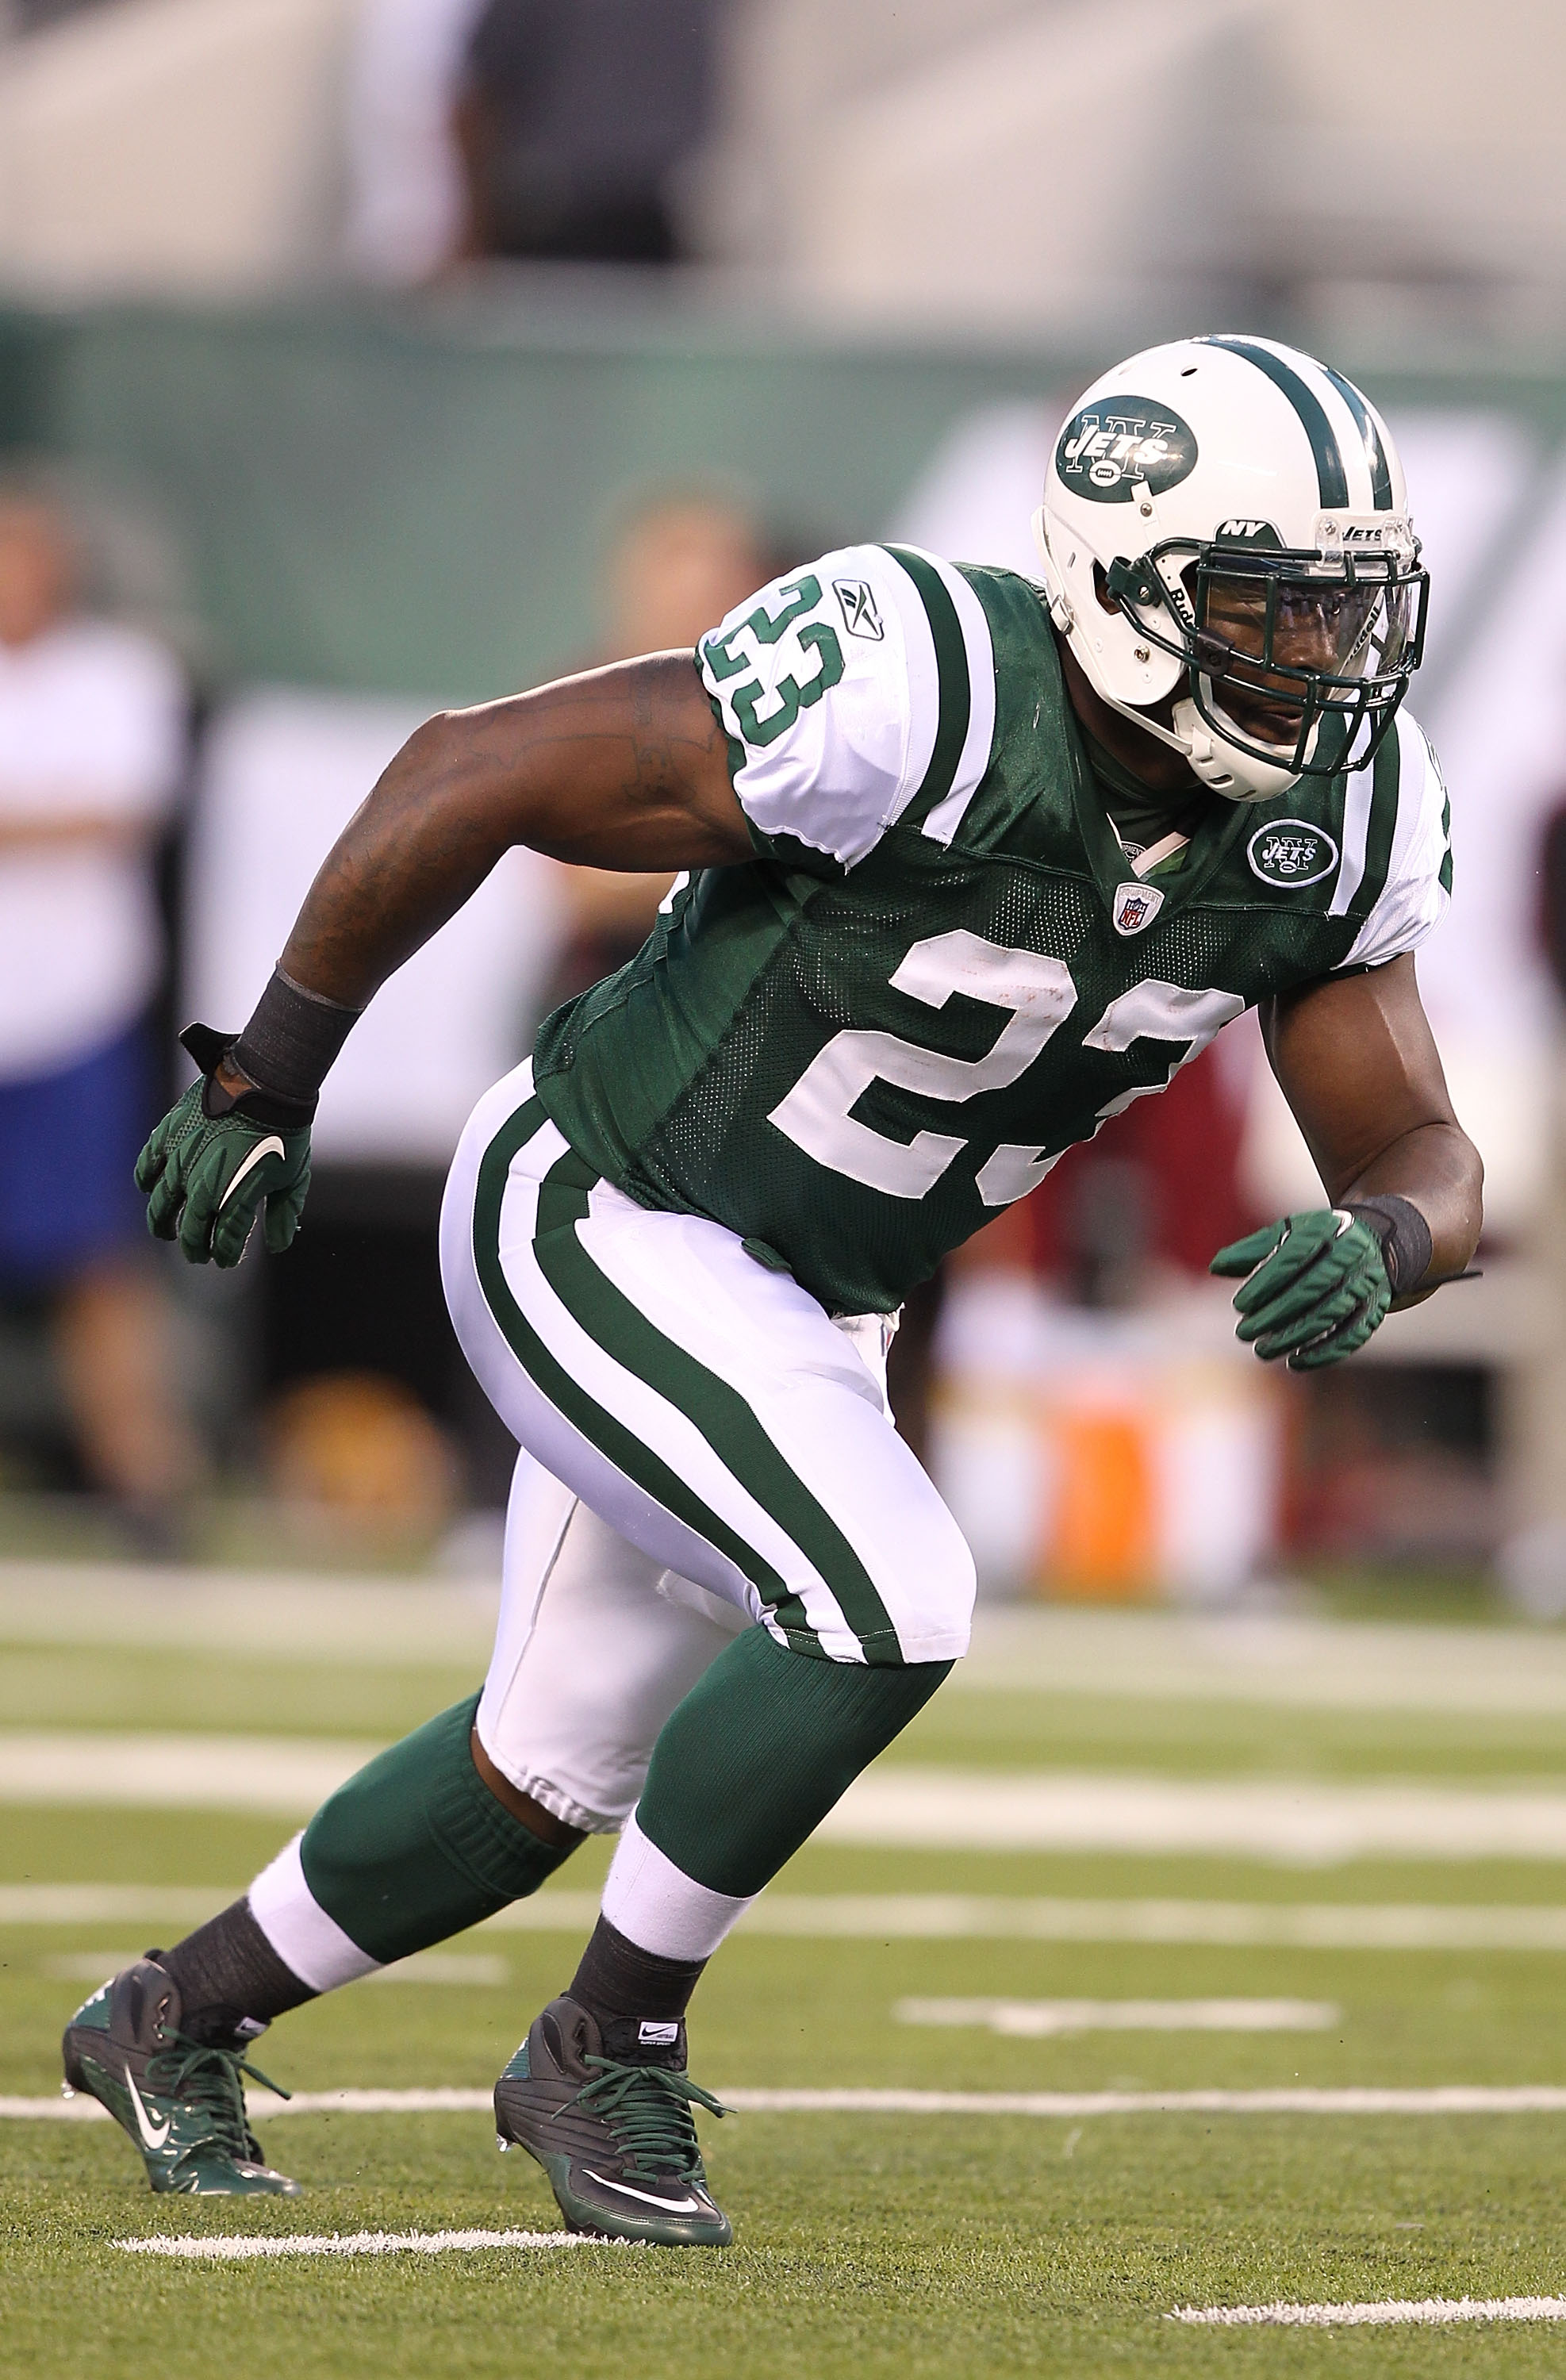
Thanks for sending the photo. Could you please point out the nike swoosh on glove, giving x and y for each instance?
(211, 1165)
(1315, 1287)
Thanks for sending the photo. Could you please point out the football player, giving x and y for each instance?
(970, 862)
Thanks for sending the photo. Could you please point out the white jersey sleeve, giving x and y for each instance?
(852, 693)
(1413, 899)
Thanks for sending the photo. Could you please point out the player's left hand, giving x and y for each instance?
(215, 1160)
(1315, 1287)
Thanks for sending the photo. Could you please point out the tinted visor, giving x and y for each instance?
(1283, 639)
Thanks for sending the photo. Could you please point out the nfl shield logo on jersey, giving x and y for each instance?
(1136, 905)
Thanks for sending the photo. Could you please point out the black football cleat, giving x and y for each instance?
(181, 2100)
(607, 2113)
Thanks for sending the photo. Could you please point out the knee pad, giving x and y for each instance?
(416, 1847)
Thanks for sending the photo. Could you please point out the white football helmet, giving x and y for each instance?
(1225, 520)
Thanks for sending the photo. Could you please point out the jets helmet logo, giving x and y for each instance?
(1290, 853)
(857, 599)
(1119, 444)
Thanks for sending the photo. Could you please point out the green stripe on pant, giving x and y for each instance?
(601, 1429)
(716, 1409)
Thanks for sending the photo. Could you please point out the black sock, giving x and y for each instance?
(639, 1998)
(231, 1980)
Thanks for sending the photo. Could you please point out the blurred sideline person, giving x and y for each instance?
(969, 865)
(407, 196)
(573, 121)
(681, 559)
(93, 725)
(1533, 1556)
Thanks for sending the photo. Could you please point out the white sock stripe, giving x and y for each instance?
(299, 1930)
(660, 1908)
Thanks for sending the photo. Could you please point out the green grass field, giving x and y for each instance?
(895, 2243)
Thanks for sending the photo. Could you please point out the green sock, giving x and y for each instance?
(752, 1760)
(416, 1847)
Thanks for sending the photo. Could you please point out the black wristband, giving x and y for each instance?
(1403, 1235)
(210, 1047)
(292, 1041)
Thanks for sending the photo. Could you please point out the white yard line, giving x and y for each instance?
(1386, 2309)
(108, 1904)
(286, 1776)
(924, 1916)
(1346, 1926)
(242, 2247)
(1444, 2099)
(1451, 2099)
(1045, 2020)
(1296, 1822)
(1155, 1656)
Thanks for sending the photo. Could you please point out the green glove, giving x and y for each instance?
(214, 1159)
(1315, 1287)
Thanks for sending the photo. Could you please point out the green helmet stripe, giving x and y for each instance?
(1331, 479)
(1369, 430)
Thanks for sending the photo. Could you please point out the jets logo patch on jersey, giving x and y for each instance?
(860, 617)
(1290, 854)
(1136, 906)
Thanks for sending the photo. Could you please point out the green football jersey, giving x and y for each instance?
(940, 968)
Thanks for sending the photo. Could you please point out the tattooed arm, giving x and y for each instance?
(622, 768)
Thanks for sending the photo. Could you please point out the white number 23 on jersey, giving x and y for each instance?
(1039, 994)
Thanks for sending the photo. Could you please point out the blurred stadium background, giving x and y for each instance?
(361, 356)
(384, 354)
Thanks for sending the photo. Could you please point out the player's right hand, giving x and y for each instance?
(213, 1163)
(1313, 1287)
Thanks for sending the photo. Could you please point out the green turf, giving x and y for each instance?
(962, 1726)
(914, 2245)
(984, 1727)
(873, 2246)
(147, 1691)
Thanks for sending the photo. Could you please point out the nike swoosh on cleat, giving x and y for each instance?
(666, 2205)
(151, 2136)
(269, 1146)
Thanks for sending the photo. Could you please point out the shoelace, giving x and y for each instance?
(648, 2108)
(208, 2079)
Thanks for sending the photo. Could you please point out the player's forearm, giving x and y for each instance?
(1358, 1065)
(1437, 1168)
(414, 851)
